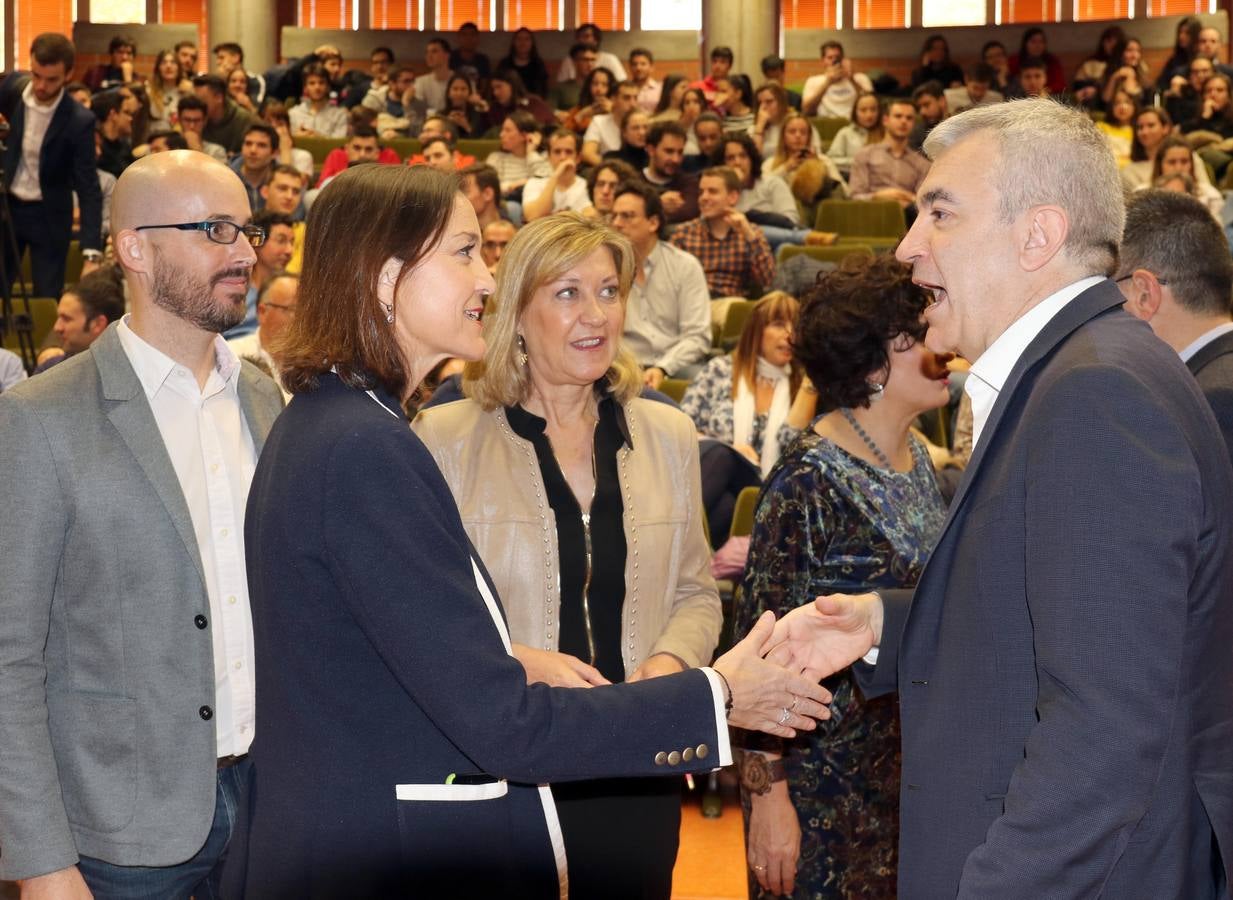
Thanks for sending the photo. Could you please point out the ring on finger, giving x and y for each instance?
(795, 700)
(784, 716)
(759, 868)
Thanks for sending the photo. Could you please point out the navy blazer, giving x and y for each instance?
(381, 671)
(1212, 367)
(1064, 666)
(66, 161)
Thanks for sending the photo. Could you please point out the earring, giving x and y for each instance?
(389, 312)
(522, 351)
(875, 390)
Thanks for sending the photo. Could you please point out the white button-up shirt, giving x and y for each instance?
(212, 451)
(1204, 339)
(990, 371)
(38, 118)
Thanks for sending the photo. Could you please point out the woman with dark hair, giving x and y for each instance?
(1128, 73)
(524, 58)
(1118, 126)
(768, 202)
(165, 88)
(1093, 71)
(1035, 46)
(402, 751)
(734, 100)
(1152, 126)
(635, 125)
(773, 110)
(594, 99)
(693, 104)
(1185, 48)
(506, 94)
(865, 128)
(461, 107)
(853, 505)
(993, 54)
(1175, 158)
(936, 64)
(673, 91)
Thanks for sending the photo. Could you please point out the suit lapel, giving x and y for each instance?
(259, 411)
(126, 407)
(58, 121)
(1210, 351)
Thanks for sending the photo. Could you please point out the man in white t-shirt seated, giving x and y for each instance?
(603, 135)
(834, 92)
(561, 190)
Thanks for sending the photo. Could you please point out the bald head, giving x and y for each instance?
(177, 186)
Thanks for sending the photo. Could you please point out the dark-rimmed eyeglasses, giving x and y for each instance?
(220, 231)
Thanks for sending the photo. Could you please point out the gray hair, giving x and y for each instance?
(1049, 154)
(1175, 238)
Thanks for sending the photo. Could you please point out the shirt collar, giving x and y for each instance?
(1204, 339)
(994, 366)
(153, 367)
(527, 424)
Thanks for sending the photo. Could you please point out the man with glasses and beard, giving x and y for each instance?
(126, 646)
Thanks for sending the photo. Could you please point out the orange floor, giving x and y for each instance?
(711, 861)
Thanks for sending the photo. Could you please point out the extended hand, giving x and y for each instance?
(820, 638)
(557, 669)
(765, 695)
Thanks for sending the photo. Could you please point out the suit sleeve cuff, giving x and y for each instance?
(722, 744)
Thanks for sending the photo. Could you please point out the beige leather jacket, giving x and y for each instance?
(671, 604)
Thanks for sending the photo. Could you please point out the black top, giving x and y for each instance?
(115, 156)
(946, 73)
(635, 156)
(1218, 123)
(606, 595)
(534, 74)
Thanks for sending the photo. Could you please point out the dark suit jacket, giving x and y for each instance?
(1064, 668)
(1212, 367)
(381, 670)
(66, 162)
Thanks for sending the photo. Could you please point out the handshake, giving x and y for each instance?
(773, 673)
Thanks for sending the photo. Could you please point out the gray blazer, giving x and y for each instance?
(106, 663)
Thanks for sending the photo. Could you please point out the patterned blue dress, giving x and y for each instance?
(828, 522)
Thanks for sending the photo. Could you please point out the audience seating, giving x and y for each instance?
(479, 147)
(875, 223)
(828, 126)
(835, 253)
(734, 323)
(675, 388)
(319, 147)
(42, 311)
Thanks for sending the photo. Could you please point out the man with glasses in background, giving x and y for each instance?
(126, 649)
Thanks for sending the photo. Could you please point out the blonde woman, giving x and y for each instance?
(592, 530)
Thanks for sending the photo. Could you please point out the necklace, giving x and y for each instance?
(864, 436)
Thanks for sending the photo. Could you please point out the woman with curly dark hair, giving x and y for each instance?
(852, 506)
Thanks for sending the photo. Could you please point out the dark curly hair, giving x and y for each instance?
(848, 322)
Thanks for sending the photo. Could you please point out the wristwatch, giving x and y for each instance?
(758, 773)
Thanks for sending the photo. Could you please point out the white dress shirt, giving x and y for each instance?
(38, 117)
(668, 317)
(1204, 339)
(212, 452)
(990, 371)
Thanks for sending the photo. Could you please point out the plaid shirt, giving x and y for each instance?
(730, 264)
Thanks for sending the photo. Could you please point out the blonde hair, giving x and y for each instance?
(539, 254)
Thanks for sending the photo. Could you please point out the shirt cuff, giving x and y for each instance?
(721, 717)
(871, 657)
